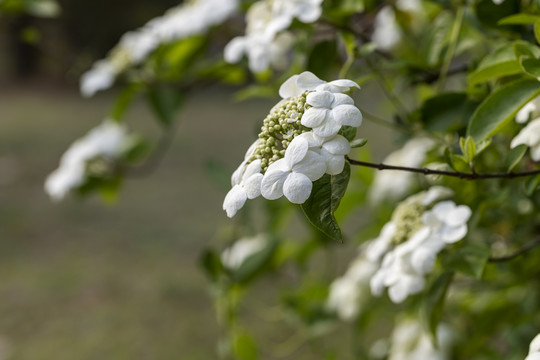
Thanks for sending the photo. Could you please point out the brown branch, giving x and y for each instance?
(461, 175)
(529, 246)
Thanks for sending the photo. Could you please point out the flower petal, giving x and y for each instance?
(252, 186)
(408, 285)
(337, 145)
(321, 99)
(235, 49)
(314, 117)
(334, 163)
(235, 199)
(312, 166)
(312, 139)
(297, 188)
(296, 151)
(342, 99)
(459, 216)
(327, 128)
(308, 81)
(347, 115)
(289, 88)
(452, 234)
(272, 184)
(252, 169)
(344, 84)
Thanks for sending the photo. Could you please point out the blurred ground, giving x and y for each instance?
(82, 280)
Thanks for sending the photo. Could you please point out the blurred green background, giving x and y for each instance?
(83, 280)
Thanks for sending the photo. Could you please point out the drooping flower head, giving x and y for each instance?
(299, 142)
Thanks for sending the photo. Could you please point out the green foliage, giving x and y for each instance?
(325, 197)
(433, 302)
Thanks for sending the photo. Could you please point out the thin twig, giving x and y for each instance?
(454, 37)
(457, 174)
(529, 246)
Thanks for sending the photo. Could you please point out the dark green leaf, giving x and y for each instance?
(531, 66)
(501, 62)
(519, 19)
(514, 156)
(482, 145)
(447, 111)
(358, 143)
(500, 107)
(165, 102)
(325, 196)
(470, 259)
(433, 302)
(490, 13)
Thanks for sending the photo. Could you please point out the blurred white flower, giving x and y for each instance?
(410, 342)
(349, 292)
(293, 175)
(100, 77)
(530, 136)
(234, 256)
(307, 11)
(525, 112)
(386, 31)
(332, 149)
(418, 235)
(534, 349)
(182, 21)
(393, 185)
(107, 141)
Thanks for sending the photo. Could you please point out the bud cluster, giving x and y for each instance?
(279, 128)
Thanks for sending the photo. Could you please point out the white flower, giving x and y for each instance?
(177, 23)
(525, 112)
(100, 77)
(249, 187)
(392, 185)
(403, 268)
(534, 349)
(307, 81)
(410, 342)
(380, 245)
(348, 292)
(293, 175)
(108, 141)
(530, 136)
(386, 32)
(307, 11)
(333, 150)
(234, 256)
(412, 6)
(329, 112)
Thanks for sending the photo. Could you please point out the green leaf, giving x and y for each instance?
(514, 156)
(448, 111)
(245, 347)
(482, 145)
(433, 302)
(531, 185)
(124, 99)
(325, 196)
(501, 62)
(490, 13)
(358, 143)
(519, 19)
(348, 132)
(531, 66)
(469, 259)
(500, 107)
(537, 30)
(468, 147)
(165, 102)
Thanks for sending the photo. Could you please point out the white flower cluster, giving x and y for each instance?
(410, 342)
(349, 292)
(234, 256)
(265, 43)
(298, 143)
(410, 242)
(190, 18)
(534, 349)
(103, 144)
(530, 134)
(392, 185)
